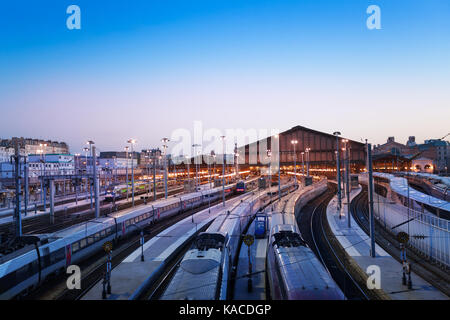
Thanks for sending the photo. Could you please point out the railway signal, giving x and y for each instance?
(403, 238)
(248, 240)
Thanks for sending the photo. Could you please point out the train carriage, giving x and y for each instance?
(22, 270)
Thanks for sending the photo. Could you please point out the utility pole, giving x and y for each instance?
(194, 146)
(223, 172)
(165, 141)
(94, 174)
(303, 164)
(132, 142)
(126, 168)
(347, 171)
(294, 143)
(279, 168)
(17, 215)
(338, 171)
(90, 143)
(307, 150)
(236, 162)
(26, 188)
(371, 218)
(154, 177)
(269, 155)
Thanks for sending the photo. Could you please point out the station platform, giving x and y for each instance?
(258, 253)
(132, 276)
(357, 245)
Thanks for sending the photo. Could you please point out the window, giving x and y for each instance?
(75, 247)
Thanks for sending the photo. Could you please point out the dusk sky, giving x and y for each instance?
(142, 69)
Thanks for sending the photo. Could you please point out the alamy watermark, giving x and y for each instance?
(74, 280)
(374, 20)
(74, 20)
(210, 145)
(374, 279)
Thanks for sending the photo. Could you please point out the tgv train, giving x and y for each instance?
(294, 272)
(25, 269)
(205, 270)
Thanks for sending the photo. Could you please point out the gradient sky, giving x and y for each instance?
(142, 69)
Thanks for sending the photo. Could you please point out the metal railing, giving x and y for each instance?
(428, 234)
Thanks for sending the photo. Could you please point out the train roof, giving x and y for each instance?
(443, 180)
(83, 230)
(194, 280)
(400, 186)
(304, 275)
(18, 261)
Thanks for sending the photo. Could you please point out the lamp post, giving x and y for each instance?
(303, 164)
(44, 188)
(77, 160)
(307, 150)
(269, 155)
(94, 178)
(126, 168)
(194, 146)
(338, 169)
(165, 146)
(132, 142)
(279, 168)
(90, 143)
(86, 150)
(223, 171)
(211, 175)
(188, 162)
(294, 143)
(347, 180)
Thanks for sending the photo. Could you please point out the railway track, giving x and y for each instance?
(438, 276)
(93, 268)
(313, 227)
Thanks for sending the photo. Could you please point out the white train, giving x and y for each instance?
(206, 269)
(294, 272)
(25, 269)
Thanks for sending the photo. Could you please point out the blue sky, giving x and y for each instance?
(142, 69)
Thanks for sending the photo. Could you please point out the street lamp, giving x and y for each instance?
(126, 168)
(338, 169)
(279, 168)
(132, 142)
(194, 146)
(347, 180)
(94, 177)
(294, 143)
(269, 155)
(223, 171)
(303, 165)
(307, 150)
(165, 146)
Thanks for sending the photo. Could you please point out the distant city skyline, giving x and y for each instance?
(145, 70)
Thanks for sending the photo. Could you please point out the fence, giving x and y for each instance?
(428, 234)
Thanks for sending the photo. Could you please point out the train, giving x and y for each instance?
(206, 269)
(240, 187)
(27, 268)
(294, 272)
(118, 192)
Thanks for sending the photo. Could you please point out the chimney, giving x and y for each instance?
(391, 139)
